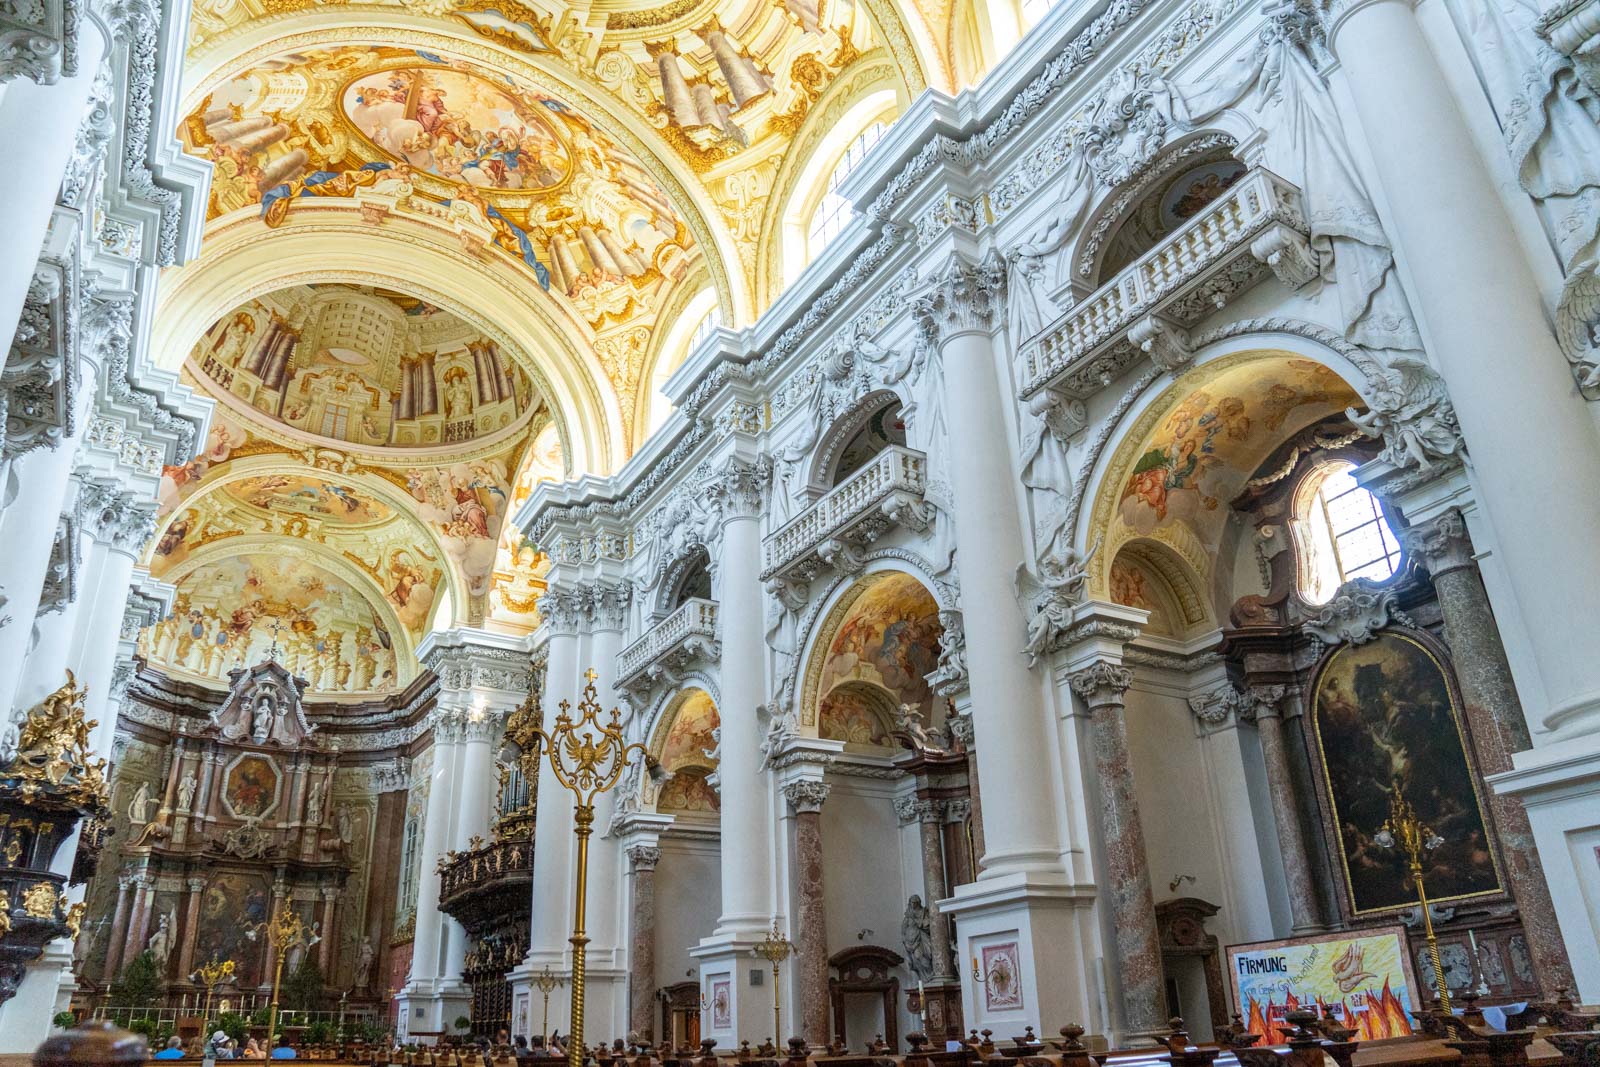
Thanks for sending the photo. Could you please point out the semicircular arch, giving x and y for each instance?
(336, 246)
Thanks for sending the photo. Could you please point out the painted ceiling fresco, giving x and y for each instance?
(329, 501)
(231, 611)
(888, 640)
(363, 366)
(690, 740)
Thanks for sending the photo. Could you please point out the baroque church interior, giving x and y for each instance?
(848, 530)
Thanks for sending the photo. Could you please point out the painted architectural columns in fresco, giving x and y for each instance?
(1102, 687)
(1494, 717)
(1529, 436)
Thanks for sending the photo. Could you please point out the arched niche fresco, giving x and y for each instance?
(686, 745)
(882, 637)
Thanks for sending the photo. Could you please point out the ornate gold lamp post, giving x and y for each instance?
(284, 931)
(1403, 828)
(211, 975)
(547, 984)
(775, 948)
(588, 758)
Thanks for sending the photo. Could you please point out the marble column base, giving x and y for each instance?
(725, 967)
(1046, 926)
(605, 998)
(25, 1018)
(429, 1008)
(1557, 784)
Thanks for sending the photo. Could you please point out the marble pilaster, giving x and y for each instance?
(811, 965)
(1102, 687)
(960, 727)
(642, 860)
(1264, 705)
(1495, 722)
(119, 927)
(191, 926)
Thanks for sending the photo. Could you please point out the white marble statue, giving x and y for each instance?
(139, 806)
(186, 790)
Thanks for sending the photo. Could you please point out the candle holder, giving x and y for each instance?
(284, 931)
(588, 758)
(1403, 828)
(211, 975)
(547, 984)
(775, 948)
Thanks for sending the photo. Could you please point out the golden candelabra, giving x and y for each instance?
(211, 975)
(285, 931)
(588, 758)
(1403, 828)
(547, 984)
(775, 949)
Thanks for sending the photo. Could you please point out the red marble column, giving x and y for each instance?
(1133, 910)
(119, 928)
(1496, 723)
(1263, 703)
(960, 727)
(642, 942)
(330, 904)
(143, 890)
(811, 958)
(191, 927)
(930, 818)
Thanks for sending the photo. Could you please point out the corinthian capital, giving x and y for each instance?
(564, 609)
(806, 794)
(114, 517)
(644, 857)
(1260, 701)
(738, 489)
(1102, 683)
(1442, 545)
(608, 604)
(965, 297)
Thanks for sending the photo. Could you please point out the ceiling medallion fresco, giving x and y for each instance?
(298, 494)
(396, 127)
(363, 366)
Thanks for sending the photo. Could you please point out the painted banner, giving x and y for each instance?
(1365, 978)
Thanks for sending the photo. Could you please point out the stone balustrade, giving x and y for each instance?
(689, 632)
(885, 493)
(1255, 225)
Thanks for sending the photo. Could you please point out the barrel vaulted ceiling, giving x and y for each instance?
(450, 245)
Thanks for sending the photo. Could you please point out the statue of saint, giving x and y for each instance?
(139, 806)
(162, 941)
(186, 790)
(364, 958)
(916, 933)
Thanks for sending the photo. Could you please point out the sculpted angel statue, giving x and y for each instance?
(923, 738)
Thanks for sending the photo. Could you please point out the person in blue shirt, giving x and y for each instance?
(284, 1051)
(173, 1051)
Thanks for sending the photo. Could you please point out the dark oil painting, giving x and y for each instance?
(1384, 717)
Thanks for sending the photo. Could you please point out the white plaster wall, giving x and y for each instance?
(867, 883)
(688, 901)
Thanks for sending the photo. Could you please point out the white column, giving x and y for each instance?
(1525, 426)
(1023, 902)
(419, 995)
(551, 922)
(738, 491)
(1020, 831)
(606, 985)
(38, 123)
(31, 500)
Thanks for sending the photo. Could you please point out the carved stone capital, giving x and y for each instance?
(61, 571)
(807, 794)
(959, 727)
(39, 379)
(957, 809)
(1101, 684)
(39, 41)
(115, 517)
(644, 857)
(738, 488)
(1442, 545)
(1261, 701)
(964, 297)
(564, 610)
(608, 604)
(1215, 708)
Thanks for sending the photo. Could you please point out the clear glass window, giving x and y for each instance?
(828, 221)
(1344, 534)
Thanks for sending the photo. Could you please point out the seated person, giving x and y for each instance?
(284, 1051)
(173, 1050)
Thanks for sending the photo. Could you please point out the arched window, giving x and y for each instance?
(829, 219)
(712, 320)
(408, 860)
(1342, 533)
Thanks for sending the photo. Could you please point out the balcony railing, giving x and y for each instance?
(688, 632)
(1255, 225)
(885, 493)
(486, 883)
